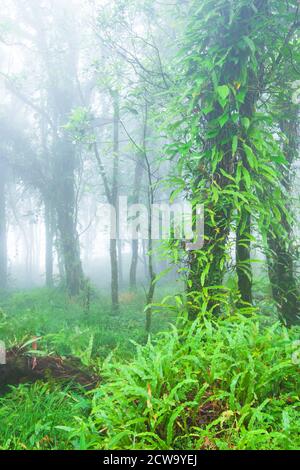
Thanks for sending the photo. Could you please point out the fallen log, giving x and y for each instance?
(22, 367)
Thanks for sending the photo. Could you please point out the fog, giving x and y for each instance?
(84, 87)
(72, 133)
(149, 227)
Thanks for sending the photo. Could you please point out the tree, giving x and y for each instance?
(59, 94)
(138, 173)
(282, 254)
(3, 225)
(225, 149)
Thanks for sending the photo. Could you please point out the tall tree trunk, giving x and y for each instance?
(243, 264)
(282, 254)
(205, 290)
(285, 288)
(243, 230)
(144, 258)
(3, 228)
(114, 276)
(114, 201)
(59, 251)
(65, 204)
(120, 264)
(138, 173)
(206, 268)
(63, 94)
(133, 264)
(152, 275)
(49, 244)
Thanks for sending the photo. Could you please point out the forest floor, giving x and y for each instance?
(230, 385)
(65, 330)
(70, 327)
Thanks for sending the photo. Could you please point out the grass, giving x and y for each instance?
(231, 384)
(33, 417)
(67, 328)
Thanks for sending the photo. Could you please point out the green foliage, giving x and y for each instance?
(31, 417)
(229, 383)
(66, 328)
(224, 135)
(225, 385)
(228, 380)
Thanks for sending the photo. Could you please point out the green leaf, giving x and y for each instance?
(238, 172)
(64, 428)
(246, 123)
(250, 43)
(223, 119)
(277, 213)
(250, 156)
(224, 173)
(234, 144)
(247, 177)
(223, 91)
(240, 97)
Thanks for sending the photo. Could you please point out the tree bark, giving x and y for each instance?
(152, 274)
(65, 204)
(282, 254)
(205, 289)
(114, 201)
(243, 264)
(120, 264)
(49, 244)
(3, 227)
(114, 276)
(138, 173)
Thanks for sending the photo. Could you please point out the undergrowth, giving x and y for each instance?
(227, 384)
(68, 328)
(33, 417)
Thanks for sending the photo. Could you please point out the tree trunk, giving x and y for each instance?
(120, 264)
(284, 285)
(60, 261)
(135, 243)
(282, 254)
(144, 259)
(71, 254)
(134, 263)
(243, 230)
(49, 244)
(151, 289)
(152, 275)
(114, 201)
(243, 265)
(3, 228)
(207, 268)
(65, 204)
(205, 290)
(114, 276)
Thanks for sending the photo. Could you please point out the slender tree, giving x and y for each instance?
(3, 225)
(138, 173)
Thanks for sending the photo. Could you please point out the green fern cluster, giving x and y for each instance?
(226, 385)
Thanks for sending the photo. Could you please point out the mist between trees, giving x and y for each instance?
(106, 100)
(149, 224)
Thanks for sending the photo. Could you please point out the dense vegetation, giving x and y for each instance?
(151, 341)
(228, 384)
